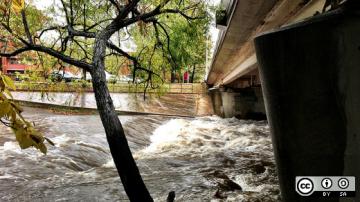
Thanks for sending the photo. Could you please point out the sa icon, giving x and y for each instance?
(305, 186)
(343, 183)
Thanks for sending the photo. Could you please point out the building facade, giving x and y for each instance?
(10, 65)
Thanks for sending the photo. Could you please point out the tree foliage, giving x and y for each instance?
(10, 115)
(186, 46)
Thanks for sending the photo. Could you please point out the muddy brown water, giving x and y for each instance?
(198, 158)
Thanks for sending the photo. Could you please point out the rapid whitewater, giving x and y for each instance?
(201, 159)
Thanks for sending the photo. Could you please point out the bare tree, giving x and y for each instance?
(114, 16)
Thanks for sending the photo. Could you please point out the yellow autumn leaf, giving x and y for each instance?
(25, 133)
(41, 146)
(17, 107)
(4, 108)
(18, 5)
(12, 115)
(7, 92)
(38, 140)
(8, 82)
(28, 137)
(23, 138)
(2, 96)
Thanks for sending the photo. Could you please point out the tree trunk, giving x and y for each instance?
(84, 74)
(173, 76)
(192, 74)
(180, 76)
(164, 72)
(120, 151)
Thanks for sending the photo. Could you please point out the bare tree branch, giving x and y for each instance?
(26, 26)
(85, 34)
(16, 52)
(171, 59)
(83, 49)
(98, 23)
(71, 13)
(8, 28)
(50, 29)
(66, 12)
(182, 13)
(52, 52)
(63, 57)
(135, 61)
(116, 4)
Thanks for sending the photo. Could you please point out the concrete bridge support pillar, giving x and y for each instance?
(244, 103)
(310, 74)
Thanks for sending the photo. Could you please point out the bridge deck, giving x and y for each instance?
(234, 55)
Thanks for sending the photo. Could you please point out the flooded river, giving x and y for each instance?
(201, 159)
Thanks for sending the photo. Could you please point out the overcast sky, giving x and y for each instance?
(41, 4)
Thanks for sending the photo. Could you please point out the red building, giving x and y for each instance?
(12, 65)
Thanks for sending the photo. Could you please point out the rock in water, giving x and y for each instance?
(171, 197)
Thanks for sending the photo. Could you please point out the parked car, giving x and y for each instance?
(55, 77)
(113, 79)
(63, 76)
(124, 79)
(128, 79)
(109, 77)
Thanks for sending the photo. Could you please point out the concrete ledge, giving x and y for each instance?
(86, 110)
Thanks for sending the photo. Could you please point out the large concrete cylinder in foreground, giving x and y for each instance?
(310, 73)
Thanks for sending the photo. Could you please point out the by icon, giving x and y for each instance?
(326, 183)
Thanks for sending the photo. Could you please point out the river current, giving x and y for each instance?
(202, 159)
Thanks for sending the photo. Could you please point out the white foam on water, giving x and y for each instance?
(166, 134)
(109, 164)
(62, 140)
(201, 145)
(11, 146)
(7, 176)
(204, 135)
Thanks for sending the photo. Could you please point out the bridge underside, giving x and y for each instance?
(233, 77)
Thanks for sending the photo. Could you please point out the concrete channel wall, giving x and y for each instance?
(183, 88)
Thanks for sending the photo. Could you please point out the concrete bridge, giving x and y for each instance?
(310, 75)
(233, 75)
